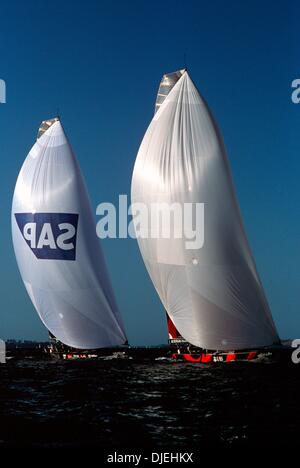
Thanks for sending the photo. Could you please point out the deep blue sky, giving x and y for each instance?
(100, 63)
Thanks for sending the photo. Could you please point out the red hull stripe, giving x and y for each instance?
(230, 357)
(206, 358)
(252, 355)
(190, 358)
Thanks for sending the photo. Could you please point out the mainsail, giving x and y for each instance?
(212, 294)
(57, 250)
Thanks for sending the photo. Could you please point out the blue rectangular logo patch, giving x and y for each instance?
(50, 236)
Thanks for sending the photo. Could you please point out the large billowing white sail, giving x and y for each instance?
(57, 249)
(213, 294)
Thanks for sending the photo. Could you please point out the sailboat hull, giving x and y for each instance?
(208, 358)
(276, 353)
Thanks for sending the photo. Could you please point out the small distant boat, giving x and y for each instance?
(117, 355)
(213, 296)
(57, 250)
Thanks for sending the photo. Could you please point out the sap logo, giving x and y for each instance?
(50, 236)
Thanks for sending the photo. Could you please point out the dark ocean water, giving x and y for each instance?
(126, 404)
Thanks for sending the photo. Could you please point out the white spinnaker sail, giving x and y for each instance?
(213, 294)
(57, 250)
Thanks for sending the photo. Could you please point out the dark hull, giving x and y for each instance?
(273, 353)
(136, 353)
(207, 358)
